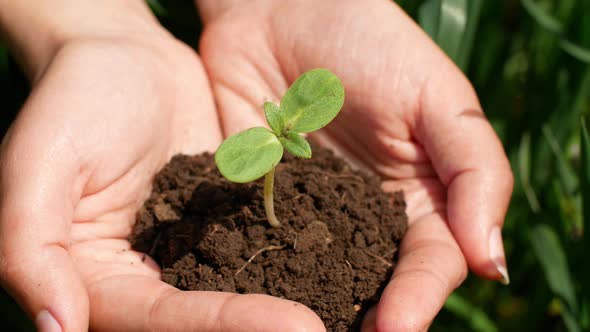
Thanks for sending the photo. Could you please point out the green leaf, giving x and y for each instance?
(312, 101)
(274, 118)
(578, 52)
(428, 17)
(296, 144)
(564, 169)
(585, 175)
(452, 24)
(551, 256)
(248, 155)
(473, 16)
(570, 321)
(552, 24)
(541, 16)
(569, 209)
(451, 28)
(477, 318)
(524, 166)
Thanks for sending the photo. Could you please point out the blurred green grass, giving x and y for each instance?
(529, 61)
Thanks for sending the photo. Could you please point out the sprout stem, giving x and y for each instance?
(269, 206)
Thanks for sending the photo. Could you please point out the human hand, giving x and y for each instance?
(108, 109)
(410, 116)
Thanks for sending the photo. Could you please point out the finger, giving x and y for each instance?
(422, 195)
(428, 256)
(470, 160)
(233, 122)
(239, 84)
(147, 304)
(370, 321)
(37, 182)
(201, 119)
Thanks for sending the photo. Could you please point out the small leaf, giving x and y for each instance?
(312, 101)
(274, 118)
(296, 144)
(248, 155)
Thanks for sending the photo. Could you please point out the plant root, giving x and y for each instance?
(379, 258)
(265, 249)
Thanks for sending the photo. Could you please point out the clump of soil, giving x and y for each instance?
(334, 252)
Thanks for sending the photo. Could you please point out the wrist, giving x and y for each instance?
(36, 29)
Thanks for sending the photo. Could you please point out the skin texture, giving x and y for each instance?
(409, 115)
(106, 112)
(114, 97)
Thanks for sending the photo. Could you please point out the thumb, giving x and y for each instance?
(470, 161)
(37, 178)
(152, 305)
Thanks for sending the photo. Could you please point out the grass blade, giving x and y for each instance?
(428, 17)
(581, 98)
(585, 193)
(551, 24)
(578, 52)
(585, 174)
(542, 18)
(476, 318)
(571, 323)
(564, 169)
(451, 26)
(473, 15)
(551, 256)
(569, 211)
(524, 166)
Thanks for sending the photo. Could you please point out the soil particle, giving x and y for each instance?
(334, 252)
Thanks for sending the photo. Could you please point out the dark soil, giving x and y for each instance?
(334, 252)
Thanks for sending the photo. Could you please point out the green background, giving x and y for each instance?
(530, 63)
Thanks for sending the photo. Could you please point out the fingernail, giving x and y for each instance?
(46, 323)
(497, 254)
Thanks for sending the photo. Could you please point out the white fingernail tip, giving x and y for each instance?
(496, 251)
(46, 323)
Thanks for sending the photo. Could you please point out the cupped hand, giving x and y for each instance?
(103, 117)
(410, 116)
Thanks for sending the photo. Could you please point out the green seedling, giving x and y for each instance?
(309, 104)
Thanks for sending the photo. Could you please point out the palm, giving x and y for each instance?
(387, 125)
(156, 115)
(106, 116)
(112, 121)
(375, 131)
